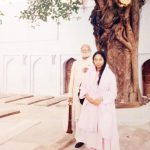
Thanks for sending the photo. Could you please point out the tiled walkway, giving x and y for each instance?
(40, 127)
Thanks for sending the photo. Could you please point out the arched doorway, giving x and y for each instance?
(146, 78)
(68, 67)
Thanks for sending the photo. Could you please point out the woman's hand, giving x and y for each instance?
(96, 101)
(88, 98)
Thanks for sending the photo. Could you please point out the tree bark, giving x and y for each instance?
(116, 30)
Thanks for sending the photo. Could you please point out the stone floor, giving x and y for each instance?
(40, 127)
(131, 138)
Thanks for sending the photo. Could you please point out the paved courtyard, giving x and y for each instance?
(36, 123)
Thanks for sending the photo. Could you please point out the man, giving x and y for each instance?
(78, 71)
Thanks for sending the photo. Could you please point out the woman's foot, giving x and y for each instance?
(79, 144)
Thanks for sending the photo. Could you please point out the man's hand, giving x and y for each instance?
(70, 100)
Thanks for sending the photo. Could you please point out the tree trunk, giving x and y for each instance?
(116, 31)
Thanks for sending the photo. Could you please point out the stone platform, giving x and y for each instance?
(40, 127)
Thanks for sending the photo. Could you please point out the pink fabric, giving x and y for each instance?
(98, 122)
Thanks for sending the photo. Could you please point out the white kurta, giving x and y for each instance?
(77, 76)
(97, 123)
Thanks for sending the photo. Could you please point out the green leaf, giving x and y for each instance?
(42, 9)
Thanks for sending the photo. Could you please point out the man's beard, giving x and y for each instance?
(85, 56)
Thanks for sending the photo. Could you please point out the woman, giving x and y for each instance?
(97, 126)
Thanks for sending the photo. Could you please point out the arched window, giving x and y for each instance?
(146, 78)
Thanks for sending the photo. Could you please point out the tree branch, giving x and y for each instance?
(135, 18)
(120, 37)
(101, 4)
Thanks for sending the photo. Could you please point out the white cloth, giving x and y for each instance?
(76, 77)
(98, 122)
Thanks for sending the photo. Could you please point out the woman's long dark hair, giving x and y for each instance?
(103, 54)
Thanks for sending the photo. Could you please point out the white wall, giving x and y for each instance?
(144, 40)
(67, 37)
(32, 60)
(143, 57)
(74, 33)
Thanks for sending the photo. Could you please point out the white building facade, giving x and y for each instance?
(33, 61)
(144, 50)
